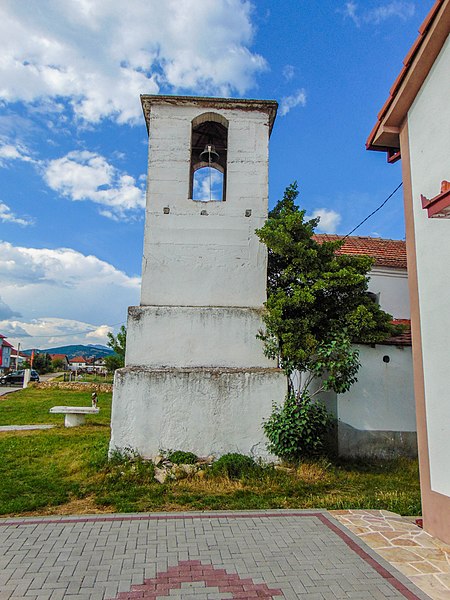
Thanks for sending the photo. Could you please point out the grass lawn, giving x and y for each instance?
(65, 471)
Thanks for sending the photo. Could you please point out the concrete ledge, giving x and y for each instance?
(74, 415)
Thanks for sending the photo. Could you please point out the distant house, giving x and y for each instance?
(79, 362)
(95, 364)
(17, 358)
(62, 357)
(414, 125)
(376, 417)
(5, 354)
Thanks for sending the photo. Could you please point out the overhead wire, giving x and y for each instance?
(374, 211)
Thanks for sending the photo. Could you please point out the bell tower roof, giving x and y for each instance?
(267, 106)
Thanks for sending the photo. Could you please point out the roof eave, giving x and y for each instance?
(269, 107)
(417, 64)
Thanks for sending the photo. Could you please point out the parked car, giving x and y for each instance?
(16, 377)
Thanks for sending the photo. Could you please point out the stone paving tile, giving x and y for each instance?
(268, 554)
(422, 558)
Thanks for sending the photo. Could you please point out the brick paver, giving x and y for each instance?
(272, 554)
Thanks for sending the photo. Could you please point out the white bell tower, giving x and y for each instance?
(196, 378)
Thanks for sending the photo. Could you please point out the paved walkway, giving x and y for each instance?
(273, 554)
(422, 558)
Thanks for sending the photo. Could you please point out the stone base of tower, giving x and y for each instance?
(201, 410)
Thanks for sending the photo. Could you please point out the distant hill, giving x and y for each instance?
(76, 350)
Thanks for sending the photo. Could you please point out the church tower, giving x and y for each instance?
(196, 377)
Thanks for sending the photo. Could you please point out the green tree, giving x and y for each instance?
(118, 344)
(58, 364)
(113, 362)
(42, 363)
(317, 305)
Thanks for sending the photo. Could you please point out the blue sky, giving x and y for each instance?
(73, 140)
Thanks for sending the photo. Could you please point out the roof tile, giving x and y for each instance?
(386, 253)
(404, 339)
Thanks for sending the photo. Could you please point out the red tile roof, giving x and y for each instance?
(58, 356)
(386, 253)
(404, 339)
(78, 359)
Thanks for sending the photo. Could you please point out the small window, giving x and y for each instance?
(208, 171)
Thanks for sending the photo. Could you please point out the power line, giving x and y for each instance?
(373, 212)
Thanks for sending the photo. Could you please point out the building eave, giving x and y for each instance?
(385, 136)
(269, 107)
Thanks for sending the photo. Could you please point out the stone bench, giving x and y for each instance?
(74, 415)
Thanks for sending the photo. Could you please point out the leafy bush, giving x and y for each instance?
(182, 458)
(235, 466)
(127, 467)
(297, 429)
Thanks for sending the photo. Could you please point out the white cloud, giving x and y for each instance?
(7, 216)
(63, 284)
(288, 72)
(10, 152)
(50, 332)
(374, 16)
(100, 55)
(329, 219)
(84, 175)
(99, 335)
(289, 102)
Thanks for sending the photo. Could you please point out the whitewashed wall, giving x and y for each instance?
(215, 258)
(196, 377)
(392, 286)
(383, 397)
(429, 135)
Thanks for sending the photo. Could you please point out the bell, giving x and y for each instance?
(209, 154)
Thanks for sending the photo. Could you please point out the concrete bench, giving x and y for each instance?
(74, 415)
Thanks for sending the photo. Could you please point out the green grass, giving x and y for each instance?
(66, 471)
(31, 406)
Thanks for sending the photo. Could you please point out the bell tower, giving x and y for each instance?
(196, 377)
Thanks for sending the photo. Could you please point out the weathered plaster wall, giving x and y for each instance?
(429, 135)
(377, 416)
(196, 377)
(392, 286)
(206, 411)
(180, 336)
(383, 397)
(214, 258)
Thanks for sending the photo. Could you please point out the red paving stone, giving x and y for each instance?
(193, 570)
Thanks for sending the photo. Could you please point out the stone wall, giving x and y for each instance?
(78, 386)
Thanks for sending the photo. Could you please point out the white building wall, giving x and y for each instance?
(429, 135)
(383, 397)
(392, 287)
(377, 416)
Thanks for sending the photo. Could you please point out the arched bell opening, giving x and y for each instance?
(209, 144)
(207, 184)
